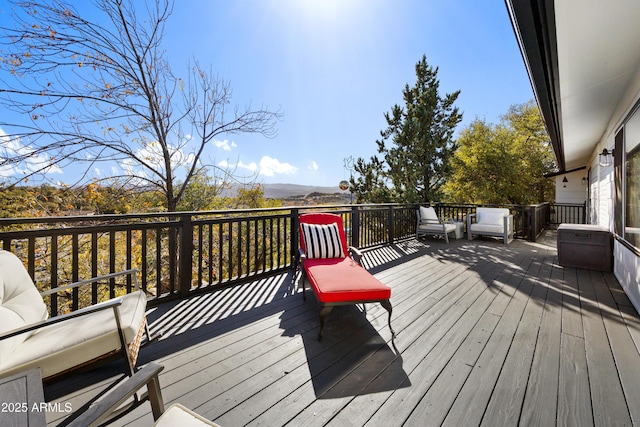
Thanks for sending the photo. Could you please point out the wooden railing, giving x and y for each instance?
(178, 254)
(570, 213)
(529, 220)
(189, 252)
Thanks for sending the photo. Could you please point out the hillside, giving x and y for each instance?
(299, 195)
(285, 191)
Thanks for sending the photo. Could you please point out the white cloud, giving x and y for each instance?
(252, 167)
(152, 154)
(132, 170)
(153, 157)
(313, 166)
(268, 166)
(224, 144)
(11, 148)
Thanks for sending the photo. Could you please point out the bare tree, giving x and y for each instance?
(100, 91)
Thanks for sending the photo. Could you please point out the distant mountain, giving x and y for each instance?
(283, 191)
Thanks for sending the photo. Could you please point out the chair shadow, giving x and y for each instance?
(352, 358)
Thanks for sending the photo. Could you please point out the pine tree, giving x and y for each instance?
(415, 148)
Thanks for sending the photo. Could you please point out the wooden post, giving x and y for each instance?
(295, 244)
(186, 254)
(391, 234)
(355, 226)
(533, 223)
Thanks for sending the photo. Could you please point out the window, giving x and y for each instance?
(632, 178)
(631, 162)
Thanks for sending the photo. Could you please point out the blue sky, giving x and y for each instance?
(334, 67)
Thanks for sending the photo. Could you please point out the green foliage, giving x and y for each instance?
(253, 198)
(503, 163)
(201, 193)
(415, 148)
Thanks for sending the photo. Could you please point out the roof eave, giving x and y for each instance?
(534, 26)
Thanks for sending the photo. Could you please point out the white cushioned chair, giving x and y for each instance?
(108, 407)
(494, 222)
(30, 339)
(430, 224)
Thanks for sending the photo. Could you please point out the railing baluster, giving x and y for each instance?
(159, 262)
(210, 259)
(53, 265)
(112, 263)
(198, 248)
(129, 262)
(143, 258)
(94, 266)
(75, 249)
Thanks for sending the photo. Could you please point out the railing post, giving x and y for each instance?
(186, 254)
(533, 223)
(390, 225)
(295, 224)
(355, 226)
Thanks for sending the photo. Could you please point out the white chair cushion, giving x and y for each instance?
(487, 228)
(20, 302)
(178, 415)
(72, 342)
(428, 214)
(438, 228)
(491, 219)
(491, 215)
(322, 240)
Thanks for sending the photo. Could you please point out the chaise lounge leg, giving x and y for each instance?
(324, 310)
(304, 286)
(387, 305)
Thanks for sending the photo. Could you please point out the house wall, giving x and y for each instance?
(601, 194)
(573, 191)
(626, 264)
(627, 271)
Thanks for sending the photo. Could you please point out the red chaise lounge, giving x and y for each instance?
(333, 269)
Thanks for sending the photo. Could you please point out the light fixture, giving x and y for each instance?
(606, 158)
(584, 180)
(564, 181)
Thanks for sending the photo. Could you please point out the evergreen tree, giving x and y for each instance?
(415, 148)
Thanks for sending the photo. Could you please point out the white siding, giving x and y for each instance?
(626, 268)
(573, 191)
(626, 264)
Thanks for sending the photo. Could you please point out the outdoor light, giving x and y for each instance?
(606, 158)
(584, 180)
(564, 181)
(344, 184)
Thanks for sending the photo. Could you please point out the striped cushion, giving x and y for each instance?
(322, 240)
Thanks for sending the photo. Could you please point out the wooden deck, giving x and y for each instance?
(487, 334)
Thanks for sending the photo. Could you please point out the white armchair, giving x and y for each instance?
(495, 222)
(30, 339)
(430, 224)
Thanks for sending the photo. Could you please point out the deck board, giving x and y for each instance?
(487, 334)
(540, 404)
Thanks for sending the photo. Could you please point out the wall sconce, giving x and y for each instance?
(606, 158)
(584, 180)
(564, 181)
